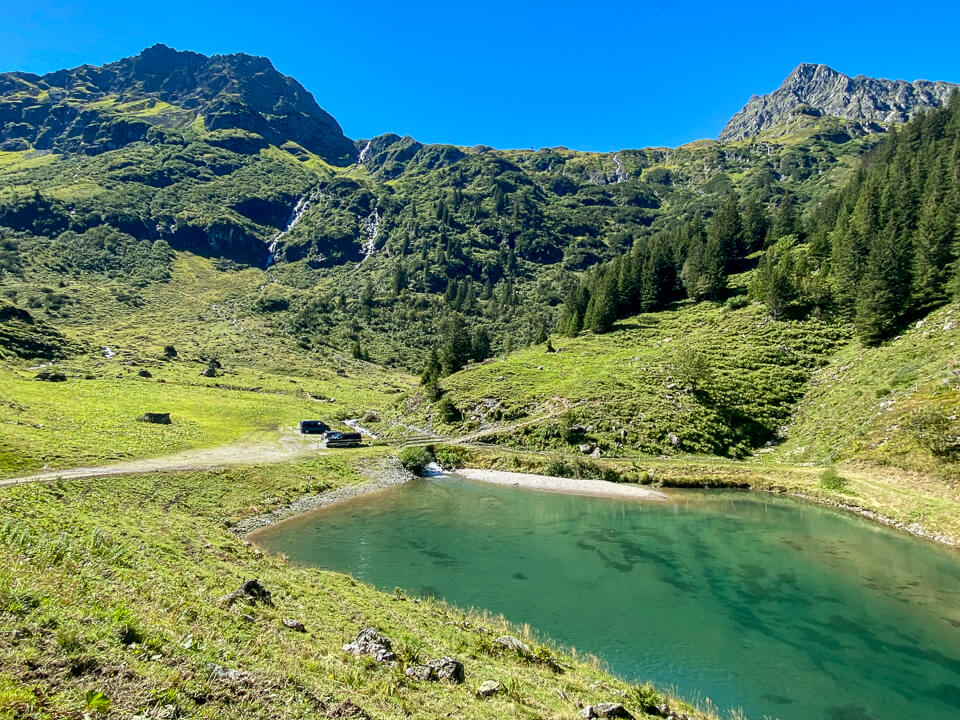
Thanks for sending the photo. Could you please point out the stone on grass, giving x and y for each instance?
(445, 668)
(370, 642)
(512, 643)
(489, 688)
(219, 672)
(156, 418)
(605, 710)
(251, 591)
(145, 373)
(295, 625)
(50, 376)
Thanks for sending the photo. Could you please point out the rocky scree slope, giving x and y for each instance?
(817, 90)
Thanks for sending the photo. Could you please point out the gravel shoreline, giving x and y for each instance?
(385, 474)
(571, 486)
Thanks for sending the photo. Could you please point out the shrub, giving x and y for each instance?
(450, 457)
(830, 479)
(448, 411)
(415, 459)
(932, 428)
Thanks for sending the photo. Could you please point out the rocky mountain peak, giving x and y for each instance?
(84, 109)
(818, 90)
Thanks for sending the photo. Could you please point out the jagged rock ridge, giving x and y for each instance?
(94, 109)
(817, 90)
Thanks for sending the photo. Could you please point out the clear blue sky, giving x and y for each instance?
(588, 75)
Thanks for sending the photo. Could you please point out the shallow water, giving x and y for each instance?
(777, 607)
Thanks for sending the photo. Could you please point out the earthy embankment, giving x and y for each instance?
(572, 486)
(386, 473)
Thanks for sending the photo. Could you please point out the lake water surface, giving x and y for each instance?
(777, 607)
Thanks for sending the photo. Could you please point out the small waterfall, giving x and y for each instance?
(369, 229)
(621, 175)
(355, 424)
(303, 204)
(364, 153)
(431, 469)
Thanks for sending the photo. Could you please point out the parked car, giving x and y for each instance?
(335, 439)
(313, 427)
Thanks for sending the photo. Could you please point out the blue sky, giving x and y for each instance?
(588, 75)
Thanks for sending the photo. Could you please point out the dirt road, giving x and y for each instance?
(285, 446)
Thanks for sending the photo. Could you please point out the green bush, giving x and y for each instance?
(450, 457)
(830, 479)
(448, 411)
(932, 428)
(415, 459)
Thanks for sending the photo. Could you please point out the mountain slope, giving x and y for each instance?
(812, 91)
(95, 109)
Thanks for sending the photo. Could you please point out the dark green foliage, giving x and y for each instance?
(935, 430)
(415, 459)
(830, 479)
(448, 411)
(775, 282)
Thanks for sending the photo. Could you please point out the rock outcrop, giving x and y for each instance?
(817, 90)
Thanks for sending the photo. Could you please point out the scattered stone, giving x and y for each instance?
(247, 618)
(219, 672)
(512, 643)
(294, 625)
(445, 668)
(673, 439)
(208, 371)
(50, 376)
(420, 672)
(370, 642)
(144, 373)
(489, 689)
(370, 416)
(156, 418)
(348, 709)
(585, 448)
(251, 591)
(605, 710)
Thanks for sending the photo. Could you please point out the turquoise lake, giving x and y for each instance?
(784, 609)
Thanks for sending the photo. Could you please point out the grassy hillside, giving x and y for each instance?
(116, 613)
(700, 378)
(263, 382)
(896, 404)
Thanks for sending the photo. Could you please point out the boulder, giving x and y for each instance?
(445, 668)
(489, 689)
(294, 625)
(511, 643)
(370, 642)
(209, 371)
(145, 373)
(251, 591)
(605, 710)
(585, 448)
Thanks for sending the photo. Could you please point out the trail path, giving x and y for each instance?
(286, 446)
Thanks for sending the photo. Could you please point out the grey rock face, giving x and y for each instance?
(445, 668)
(370, 642)
(817, 90)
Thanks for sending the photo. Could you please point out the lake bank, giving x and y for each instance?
(569, 486)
